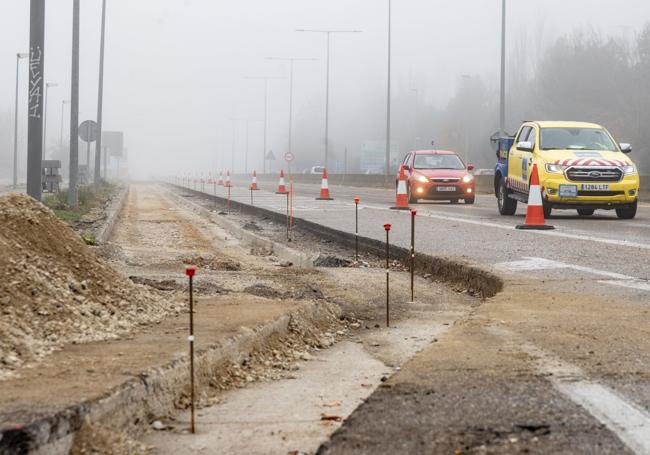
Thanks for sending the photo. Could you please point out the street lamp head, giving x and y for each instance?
(22, 55)
(51, 84)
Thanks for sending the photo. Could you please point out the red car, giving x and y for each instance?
(438, 175)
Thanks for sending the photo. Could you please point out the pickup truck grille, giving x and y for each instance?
(594, 174)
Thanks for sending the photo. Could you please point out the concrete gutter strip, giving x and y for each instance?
(450, 270)
(112, 215)
(130, 406)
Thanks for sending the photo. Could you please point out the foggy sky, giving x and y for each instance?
(175, 69)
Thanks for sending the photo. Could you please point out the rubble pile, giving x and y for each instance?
(54, 290)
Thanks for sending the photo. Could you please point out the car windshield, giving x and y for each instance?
(576, 139)
(438, 162)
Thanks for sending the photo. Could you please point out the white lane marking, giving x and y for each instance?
(508, 227)
(616, 279)
(556, 233)
(624, 418)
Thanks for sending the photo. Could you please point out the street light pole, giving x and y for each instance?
(35, 93)
(328, 34)
(63, 103)
(266, 110)
(387, 163)
(291, 62)
(15, 179)
(74, 109)
(47, 86)
(502, 106)
(100, 100)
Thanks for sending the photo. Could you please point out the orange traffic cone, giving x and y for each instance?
(535, 211)
(228, 182)
(402, 198)
(220, 183)
(282, 188)
(324, 189)
(254, 181)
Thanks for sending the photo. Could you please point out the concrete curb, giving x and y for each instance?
(130, 406)
(113, 214)
(459, 273)
(250, 239)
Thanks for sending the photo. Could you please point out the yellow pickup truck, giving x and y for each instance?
(580, 167)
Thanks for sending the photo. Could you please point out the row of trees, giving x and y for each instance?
(585, 77)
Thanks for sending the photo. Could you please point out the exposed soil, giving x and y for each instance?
(54, 290)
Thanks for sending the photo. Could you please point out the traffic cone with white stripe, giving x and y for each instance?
(254, 181)
(220, 183)
(535, 211)
(402, 197)
(228, 182)
(324, 188)
(282, 188)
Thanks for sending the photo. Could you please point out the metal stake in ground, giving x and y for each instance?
(228, 199)
(413, 213)
(387, 228)
(190, 271)
(356, 229)
(288, 235)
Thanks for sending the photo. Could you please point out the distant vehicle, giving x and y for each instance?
(317, 170)
(580, 167)
(374, 172)
(438, 175)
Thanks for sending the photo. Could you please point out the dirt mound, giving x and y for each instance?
(54, 290)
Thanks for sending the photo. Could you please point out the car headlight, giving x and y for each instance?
(468, 178)
(554, 168)
(629, 169)
(423, 179)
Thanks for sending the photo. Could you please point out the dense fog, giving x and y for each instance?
(183, 77)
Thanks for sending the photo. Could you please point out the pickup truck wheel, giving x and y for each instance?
(586, 212)
(627, 213)
(454, 201)
(506, 205)
(547, 210)
(469, 201)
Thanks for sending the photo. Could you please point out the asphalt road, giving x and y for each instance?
(557, 363)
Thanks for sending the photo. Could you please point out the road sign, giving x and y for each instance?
(270, 156)
(114, 142)
(88, 131)
(288, 157)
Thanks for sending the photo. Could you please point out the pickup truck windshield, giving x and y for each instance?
(576, 139)
(438, 162)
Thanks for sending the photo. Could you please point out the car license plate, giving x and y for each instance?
(446, 188)
(594, 187)
(568, 190)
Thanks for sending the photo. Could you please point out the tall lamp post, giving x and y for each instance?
(502, 106)
(63, 103)
(47, 86)
(266, 111)
(387, 160)
(15, 179)
(328, 34)
(291, 61)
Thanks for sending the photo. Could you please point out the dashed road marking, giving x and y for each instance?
(627, 420)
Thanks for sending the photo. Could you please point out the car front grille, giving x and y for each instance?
(594, 174)
(449, 180)
(600, 193)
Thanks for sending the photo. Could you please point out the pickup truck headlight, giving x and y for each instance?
(468, 178)
(555, 169)
(422, 179)
(629, 169)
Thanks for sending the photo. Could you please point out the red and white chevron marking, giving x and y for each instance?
(590, 162)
